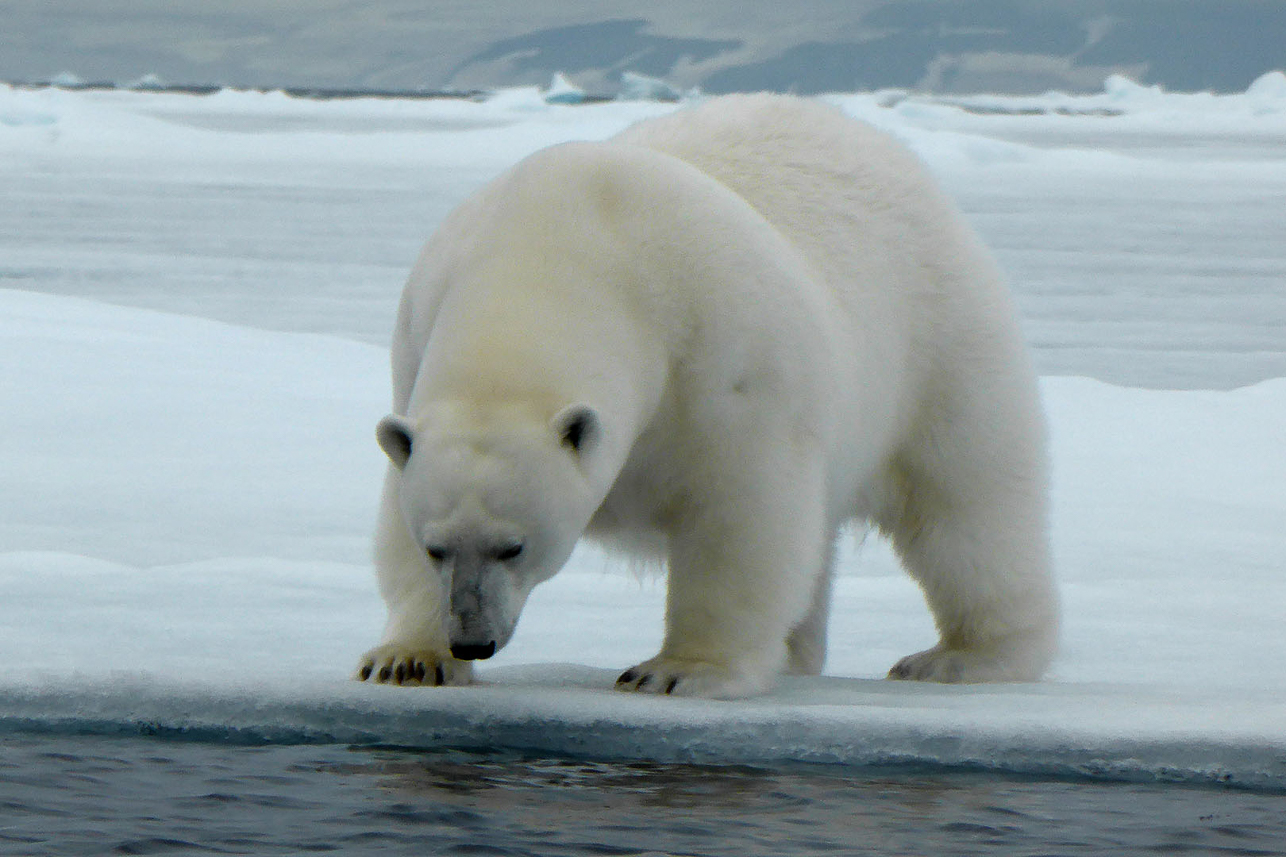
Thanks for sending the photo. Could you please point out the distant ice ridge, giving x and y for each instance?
(634, 87)
(170, 126)
(147, 82)
(1266, 96)
(1266, 93)
(640, 87)
(67, 79)
(1270, 86)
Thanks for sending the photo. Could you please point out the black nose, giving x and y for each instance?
(473, 652)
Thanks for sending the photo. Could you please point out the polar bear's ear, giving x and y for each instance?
(578, 428)
(394, 434)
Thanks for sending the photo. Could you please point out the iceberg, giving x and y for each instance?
(639, 87)
(563, 91)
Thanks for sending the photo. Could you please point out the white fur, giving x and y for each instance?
(760, 320)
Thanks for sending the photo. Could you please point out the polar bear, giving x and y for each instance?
(714, 338)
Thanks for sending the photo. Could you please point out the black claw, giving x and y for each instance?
(366, 672)
(419, 671)
(669, 688)
(385, 672)
(646, 680)
(439, 677)
(628, 677)
(399, 674)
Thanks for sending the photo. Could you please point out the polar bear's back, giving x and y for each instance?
(767, 147)
(855, 201)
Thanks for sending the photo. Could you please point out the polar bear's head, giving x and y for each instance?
(493, 510)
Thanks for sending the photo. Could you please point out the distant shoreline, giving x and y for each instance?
(477, 95)
(312, 92)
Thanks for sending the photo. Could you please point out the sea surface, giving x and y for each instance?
(90, 795)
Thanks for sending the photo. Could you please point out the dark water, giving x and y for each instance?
(94, 795)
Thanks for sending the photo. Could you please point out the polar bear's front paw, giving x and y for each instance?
(675, 677)
(409, 665)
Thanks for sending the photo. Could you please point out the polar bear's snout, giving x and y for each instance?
(482, 619)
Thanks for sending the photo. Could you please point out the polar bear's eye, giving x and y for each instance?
(437, 553)
(509, 552)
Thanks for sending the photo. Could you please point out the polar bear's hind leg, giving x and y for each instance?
(971, 529)
(806, 644)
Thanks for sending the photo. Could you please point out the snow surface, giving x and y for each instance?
(196, 296)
